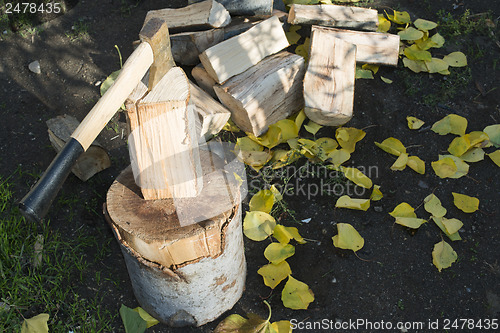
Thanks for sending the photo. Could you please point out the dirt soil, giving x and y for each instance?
(396, 280)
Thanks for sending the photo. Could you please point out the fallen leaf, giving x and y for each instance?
(36, 324)
(399, 17)
(150, 321)
(292, 35)
(386, 80)
(299, 118)
(416, 164)
(258, 225)
(282, 326)
(347, 137)
(493, 132)
(436, 65)
(495, 157)
(444, 168)
(416, 66)
(410, 34)
(262, 201)
(473, 155)
(424, 24)
(383, 24)
(230, 126)
(456, 59)
(132, 320)
(324, 147)
(415, 53)
(277, 195)
(357, 177)
(376, 193)
(443, 255)
(231, 324)
(296, 295)
(439, 223)
(403, 210)
(432, 205)
(312, 127)
(438, 40)
(285, 234)
(273, 274)
(479, 139)
(410, 222)
(452, 123)
(465, 203)
(459, 145)
(106, 84)
(392, 146)
(462, 167)
(372, 67)
(339, 156)
(282, 158)
(414, 123)
(363, 73)
(348, 238)
(347, 202)
(400, 163)
(278, 252)
(303, 49)
(452, 225)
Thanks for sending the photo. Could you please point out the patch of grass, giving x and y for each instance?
(79, 30)
(29, 287)
(467, 23)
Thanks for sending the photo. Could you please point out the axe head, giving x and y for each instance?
(155, 33)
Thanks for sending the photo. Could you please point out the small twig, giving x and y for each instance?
(369, 126)
(117, 136)
(415, 146)
(477, 181)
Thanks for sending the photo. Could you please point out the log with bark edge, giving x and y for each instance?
(264, 93)
(246, 7)
(237, 54)
(372, 47)
(334, 16)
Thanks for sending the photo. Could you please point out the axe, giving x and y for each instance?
(153, 53)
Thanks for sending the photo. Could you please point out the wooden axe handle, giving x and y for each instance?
(132, 72)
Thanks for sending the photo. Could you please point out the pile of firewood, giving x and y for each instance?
(245, 66)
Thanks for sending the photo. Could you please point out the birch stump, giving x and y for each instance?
(182, 276)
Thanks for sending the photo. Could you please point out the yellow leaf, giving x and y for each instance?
(415, 53)
(443, 255)
(231, 324)
(347, 137)
(456, 59)
(410, 34)
(299, 118)
(277, 252)
(403, 210)
(416, 66)
(372, 67)
(383, 24)
(376, 193)
(150, 321)
(479, 139)
(346, 202)
(439, 223)
(444, 168)
(462, 167)
(357, 177)
(473, 155)
(465, 203)
(424, 24)
(414, 123)
(415, 163)
(289, 129)
(303, 49)
(283, 158)
(400, 163)
(270, 139)
(452, 225)
(459, 146)
(277, 195)
(432, 204)
(285, 234)
(256, 159)
(296, 295)
(230, 126)
(262, 201)
(493, 132)
(495, 157)
(386, 80)
(339, 156)
(36, 324)
(273, 274)
(410, 222)
(392, 146)
(258, 225)
(308, 148)
(247, 144)
(436, 65)
(282, 326)
(438, 40)
(292, 35)
(399, 17)
(312, 127)
(348, 238)
(325, 146)
(363, 74)
(452, 123)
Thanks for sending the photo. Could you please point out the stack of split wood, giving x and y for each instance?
(245, 64)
